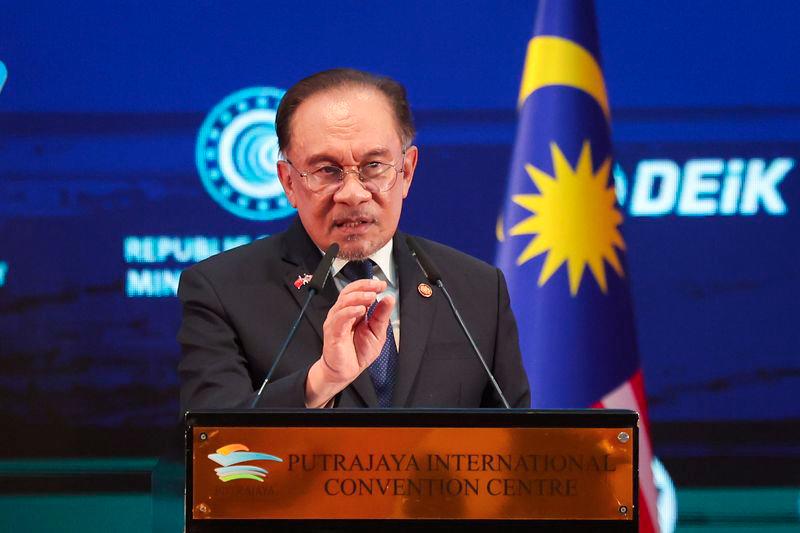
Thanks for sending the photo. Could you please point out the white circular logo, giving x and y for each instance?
(237, 152)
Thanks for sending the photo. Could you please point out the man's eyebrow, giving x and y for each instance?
(316, 159)
(321, 158)
(376, 152)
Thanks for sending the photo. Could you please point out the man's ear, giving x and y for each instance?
(285, 175)
(409, 166)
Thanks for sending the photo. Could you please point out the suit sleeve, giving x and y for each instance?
(214, 371)
(508, 368)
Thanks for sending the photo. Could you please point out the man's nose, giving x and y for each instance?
(352, 191)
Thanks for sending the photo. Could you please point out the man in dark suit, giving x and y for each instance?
(378, 334)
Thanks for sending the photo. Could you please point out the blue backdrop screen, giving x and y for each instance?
(118, 122)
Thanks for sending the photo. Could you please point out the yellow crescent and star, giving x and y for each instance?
(574, 217)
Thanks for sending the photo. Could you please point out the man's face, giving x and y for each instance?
(347, 127)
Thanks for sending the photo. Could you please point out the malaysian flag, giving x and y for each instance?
(561, 246)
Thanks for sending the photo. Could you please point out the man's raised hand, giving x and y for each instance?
(351, 340)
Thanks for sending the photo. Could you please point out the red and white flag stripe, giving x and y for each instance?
(630, 395)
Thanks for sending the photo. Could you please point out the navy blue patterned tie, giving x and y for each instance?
(384, 369)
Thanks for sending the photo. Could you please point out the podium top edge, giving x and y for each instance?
(414, 417)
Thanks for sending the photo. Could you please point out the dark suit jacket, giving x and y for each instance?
(238, 307)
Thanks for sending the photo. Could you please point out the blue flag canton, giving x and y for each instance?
(563, 207)
(562, 249)
(571, 19)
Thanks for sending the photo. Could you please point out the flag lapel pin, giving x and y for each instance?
(302, 280)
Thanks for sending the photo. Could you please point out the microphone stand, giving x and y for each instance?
(434, 277)
(317, 283)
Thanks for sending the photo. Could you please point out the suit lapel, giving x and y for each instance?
(366, 389)
(303, 256)
(416, 319)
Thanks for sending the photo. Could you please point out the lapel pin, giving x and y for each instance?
(425, 290)
(305, 279)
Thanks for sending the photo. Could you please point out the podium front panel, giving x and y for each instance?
(487, 465)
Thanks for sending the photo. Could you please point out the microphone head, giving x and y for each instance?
(424, 261)
(323, 270)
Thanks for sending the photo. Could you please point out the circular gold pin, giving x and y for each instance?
(425, 290)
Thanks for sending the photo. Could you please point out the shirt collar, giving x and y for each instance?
(382, 258)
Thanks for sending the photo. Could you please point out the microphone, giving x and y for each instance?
(433, 275)
(321, 275)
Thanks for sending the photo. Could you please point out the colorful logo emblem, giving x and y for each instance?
(237, 152)
(229, 458)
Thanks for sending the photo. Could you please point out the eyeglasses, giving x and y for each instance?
(374, 176)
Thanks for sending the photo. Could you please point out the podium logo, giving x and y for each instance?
(230, 458)
(237, 152)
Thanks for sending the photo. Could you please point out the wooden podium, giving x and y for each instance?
(406, 470)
